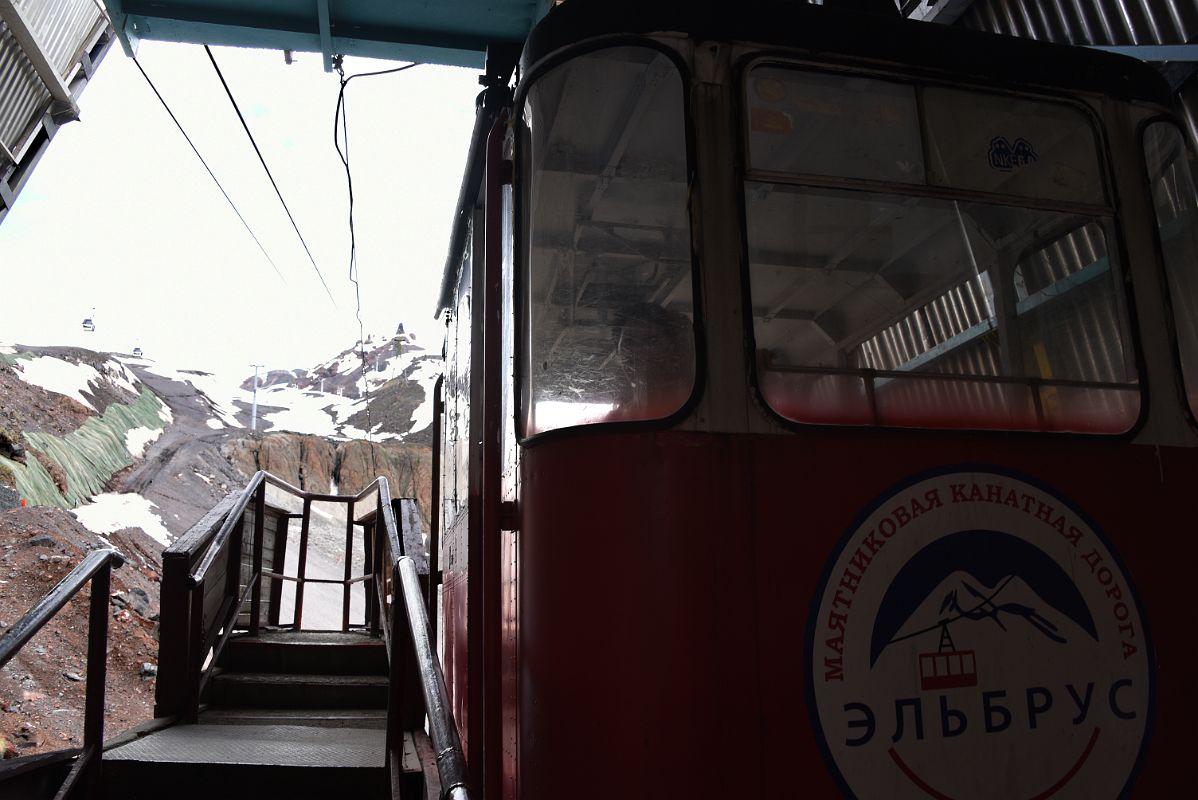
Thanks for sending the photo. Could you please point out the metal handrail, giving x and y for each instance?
(27, 626)
(451, 762)
(234, 518)
(406, 595)
(443, 730)
(96, 568)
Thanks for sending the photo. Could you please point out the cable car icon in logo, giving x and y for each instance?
(957, 569)
(947, 668)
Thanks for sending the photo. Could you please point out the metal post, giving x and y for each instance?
(398, 674)
(97, 659)
(349, 558)
(302, 569)
(254, 405)
(256, 571)
(282, 523)
(196, 654)
(434, 526)
(368, 568)
(233, 562)
(378, 534)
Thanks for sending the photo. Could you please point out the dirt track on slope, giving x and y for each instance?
(169, 474)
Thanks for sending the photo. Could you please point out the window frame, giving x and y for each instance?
(520, 177)
(1158, 250)
(919, 80)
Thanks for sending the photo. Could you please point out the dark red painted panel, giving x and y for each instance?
(666, 580)
(453, 602)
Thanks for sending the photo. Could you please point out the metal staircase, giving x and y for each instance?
(296, 712)
(248, 705)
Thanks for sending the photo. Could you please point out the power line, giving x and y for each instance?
(244, 125)
(211, 174)
(341, 119)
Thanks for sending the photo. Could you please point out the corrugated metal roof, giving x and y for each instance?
(1098, 22)
(23, 97)
(1101, 22)
(48, 49)
(64, 28)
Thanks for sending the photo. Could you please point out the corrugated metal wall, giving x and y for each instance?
(1101, 22)
(1110, 22)
(65, 29)
(23, 97)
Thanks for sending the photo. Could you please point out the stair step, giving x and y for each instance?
(314, 717)
(249, 761)
(243, 690)
(306, 652)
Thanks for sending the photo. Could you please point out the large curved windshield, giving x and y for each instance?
(923, 256)
(607, 287)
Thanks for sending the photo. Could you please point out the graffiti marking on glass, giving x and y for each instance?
(1006, 156)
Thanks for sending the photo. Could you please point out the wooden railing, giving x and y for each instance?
(95, 568)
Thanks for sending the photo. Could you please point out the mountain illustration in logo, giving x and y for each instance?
(978, 578)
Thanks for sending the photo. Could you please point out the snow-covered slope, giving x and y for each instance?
(71, 420)
(53, 400)
(392, 399)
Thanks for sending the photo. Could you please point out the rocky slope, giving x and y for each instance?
(42, 688)
(111, 449)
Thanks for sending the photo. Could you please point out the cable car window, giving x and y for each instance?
(608, 293)
(798, 124)
(1176, 202)
(1012, 145)
(874, 307)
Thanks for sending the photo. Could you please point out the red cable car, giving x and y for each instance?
(780, 339)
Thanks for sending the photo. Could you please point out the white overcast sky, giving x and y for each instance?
(121, 217)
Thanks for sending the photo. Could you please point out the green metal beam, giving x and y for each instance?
(453, 32)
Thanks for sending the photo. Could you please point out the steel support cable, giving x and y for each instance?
(341, 132)
(245, 125)
(211, 174)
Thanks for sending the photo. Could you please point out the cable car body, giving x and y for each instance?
(819, 414)
(89, 325)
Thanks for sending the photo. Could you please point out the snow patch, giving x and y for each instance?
(426, 374)
(137, 439)
(60, 377)
(122, 377)
(219, 393)
(214, 423)
(110, 512)
(302, 413)
(8, 349)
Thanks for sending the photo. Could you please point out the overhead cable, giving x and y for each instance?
(211, 174)
(244, 125)
(341, 132)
